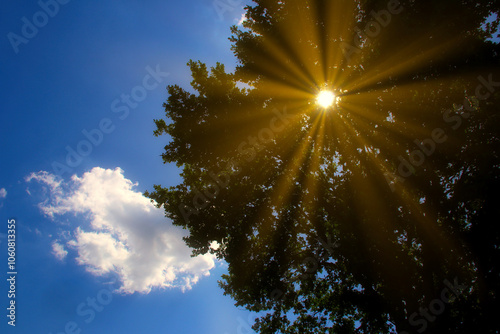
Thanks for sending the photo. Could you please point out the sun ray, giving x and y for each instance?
(282, 190)
(405, 61)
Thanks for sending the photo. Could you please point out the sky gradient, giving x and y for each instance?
(81, 85)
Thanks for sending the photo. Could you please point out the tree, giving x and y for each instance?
(376, 215)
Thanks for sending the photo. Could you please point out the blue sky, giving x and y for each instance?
(89, 77)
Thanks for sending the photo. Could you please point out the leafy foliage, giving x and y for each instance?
(327, 220)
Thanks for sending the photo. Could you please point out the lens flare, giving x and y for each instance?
(325, 99)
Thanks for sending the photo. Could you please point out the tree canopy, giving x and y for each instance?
(378, 214)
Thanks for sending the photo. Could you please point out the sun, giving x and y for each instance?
(325, 98)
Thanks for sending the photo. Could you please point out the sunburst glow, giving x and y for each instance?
(325, 98)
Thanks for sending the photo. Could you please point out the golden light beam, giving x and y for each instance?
(308, 200)
(405, 61)
(283, 187)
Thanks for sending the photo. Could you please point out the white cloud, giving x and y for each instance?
(59, 251)
(55, 190)
(3, 193)
(242, 18)
(128, 235)
(45, 177)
